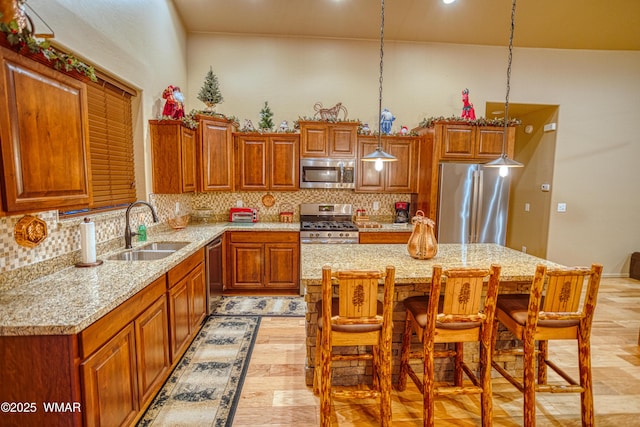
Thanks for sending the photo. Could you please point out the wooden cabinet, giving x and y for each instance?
(173, 157)
(43, 137)
(263, 261)
(152, 349)
(110, 384)
(384, 237)
(187, 296)
(215, 154)
(395, 177)
(267, 162)
(447, 141)
(324, 139)
(125, 358)
(468, 142)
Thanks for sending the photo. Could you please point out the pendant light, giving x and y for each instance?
(379, 156)
(503, 162)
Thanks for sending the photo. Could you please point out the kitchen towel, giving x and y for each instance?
(87, 242)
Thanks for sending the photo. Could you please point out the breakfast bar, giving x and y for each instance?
(413, 277)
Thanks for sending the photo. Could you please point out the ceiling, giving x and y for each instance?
(564, 24)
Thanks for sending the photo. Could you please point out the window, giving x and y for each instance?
(112, 177)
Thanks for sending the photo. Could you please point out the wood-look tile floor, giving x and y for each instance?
(275, 393)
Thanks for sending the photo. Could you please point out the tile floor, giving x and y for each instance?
(275, 394)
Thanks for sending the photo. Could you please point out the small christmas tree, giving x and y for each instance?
(210, 92)
(266, 121)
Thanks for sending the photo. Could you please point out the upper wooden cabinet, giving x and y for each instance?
(267, 162)
(324, 139)
(395, 177)
(173, 157)
(43, 136)
(468, 142)
(215, 155)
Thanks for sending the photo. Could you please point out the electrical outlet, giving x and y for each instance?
(376, 206)
(562, 207)
(239, 203)
(524, 249)
(527, 207)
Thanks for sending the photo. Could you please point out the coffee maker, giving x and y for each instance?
(402, 213)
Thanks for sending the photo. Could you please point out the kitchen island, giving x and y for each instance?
(413, 277)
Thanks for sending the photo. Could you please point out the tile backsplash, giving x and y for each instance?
(61, 248)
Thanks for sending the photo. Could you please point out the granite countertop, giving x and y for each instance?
(386, 227)
(69, 300)
(516, 266)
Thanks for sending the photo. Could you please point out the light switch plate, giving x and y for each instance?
(562, 207)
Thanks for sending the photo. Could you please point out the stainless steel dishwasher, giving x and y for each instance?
(214, 266)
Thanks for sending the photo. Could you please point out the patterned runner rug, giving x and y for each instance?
(289, 306)
(204, 388)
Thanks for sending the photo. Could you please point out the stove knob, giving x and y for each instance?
(328, 234)
(343, 234)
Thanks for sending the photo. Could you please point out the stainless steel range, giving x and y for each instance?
(327, 223)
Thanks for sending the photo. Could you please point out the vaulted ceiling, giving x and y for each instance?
(561, 24)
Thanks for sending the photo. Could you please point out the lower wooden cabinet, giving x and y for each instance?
(110, 384)
(386, 237)
(152, 349)
(263, 261)
(187, 296)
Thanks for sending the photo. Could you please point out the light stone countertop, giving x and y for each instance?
(515, 265)
(69, 300)
(386, 227)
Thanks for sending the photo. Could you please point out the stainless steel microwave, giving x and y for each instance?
(328, 173)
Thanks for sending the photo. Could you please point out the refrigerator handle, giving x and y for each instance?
(473, 214)
(479, 208)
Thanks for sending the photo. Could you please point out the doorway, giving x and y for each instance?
(529, 200)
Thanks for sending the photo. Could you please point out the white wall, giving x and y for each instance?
(597, 146)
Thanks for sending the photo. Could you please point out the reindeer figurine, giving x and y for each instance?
(467, 108)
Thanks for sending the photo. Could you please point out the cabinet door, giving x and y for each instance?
(110, 384)
(489, 140)
(179, 318)
(343, 140)
(44, 136)
(281, 265)
(314, 140)
(252, 163)
(367, 177)
(152, 349)
(188, 145)
(216, 156)
(198, 298)
(283, 164)
(247, 265)
(401, 174)
(457, 141)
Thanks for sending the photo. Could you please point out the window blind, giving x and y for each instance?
(110, 145)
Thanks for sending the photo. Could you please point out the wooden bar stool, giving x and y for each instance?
(355, 318)
(457, 316)
(555, 316)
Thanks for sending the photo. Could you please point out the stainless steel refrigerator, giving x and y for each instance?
(473, 204)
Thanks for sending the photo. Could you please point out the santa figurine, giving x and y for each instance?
(174, 107)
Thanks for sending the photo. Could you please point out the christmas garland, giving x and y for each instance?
(20, 39)
(480, 121)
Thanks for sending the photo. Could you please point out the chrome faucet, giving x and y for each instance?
(128, 234)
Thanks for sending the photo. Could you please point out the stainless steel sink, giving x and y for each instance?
(162, 246)
(149, 252)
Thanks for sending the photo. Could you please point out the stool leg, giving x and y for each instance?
(586, 397)
(529, 382)
(459, 360)
(486, 398)
(325, 387)
(428, 387)
(317, 368)
(404, 357)
(543, 352)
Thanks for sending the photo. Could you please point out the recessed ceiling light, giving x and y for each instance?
(448, 1)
